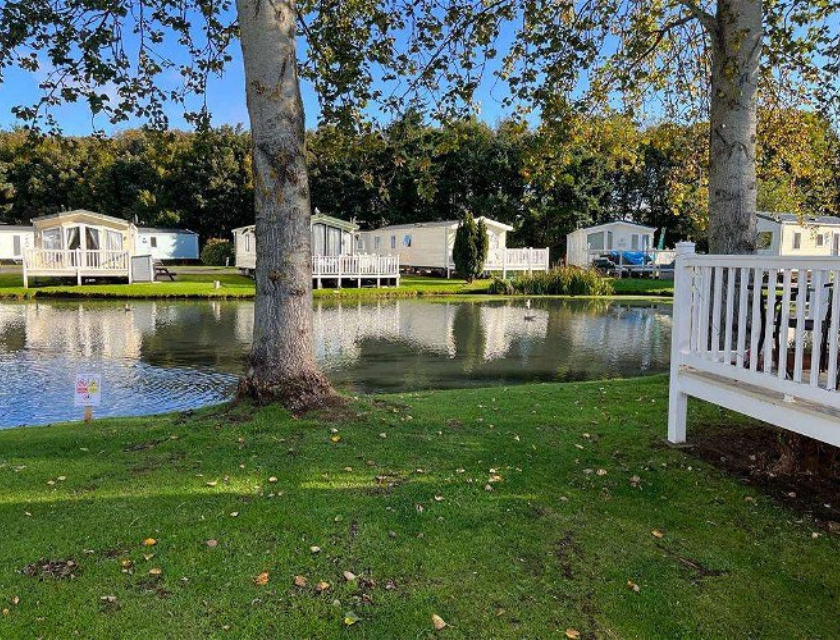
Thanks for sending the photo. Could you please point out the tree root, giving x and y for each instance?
(308, 391)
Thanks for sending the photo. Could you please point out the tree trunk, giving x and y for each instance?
(282, 360)
(736, 37)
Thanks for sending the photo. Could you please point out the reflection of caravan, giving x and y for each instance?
(428, 245)
(334, 257)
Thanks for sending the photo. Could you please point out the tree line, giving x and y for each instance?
(545, 180)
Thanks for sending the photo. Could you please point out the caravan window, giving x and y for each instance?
(407, 240)
(820, 240)
(114, 241)
(393, 242)
(51, 239)
(377, 243)
(153, 242)
(797, 240)
(247, 241)
(595, 241)
(764, 240)
(634, 242)
(610, 240)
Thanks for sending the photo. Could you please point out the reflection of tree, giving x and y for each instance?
(469, 335)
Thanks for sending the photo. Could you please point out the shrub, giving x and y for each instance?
(560, 281)
(217, 252)
(470, 250)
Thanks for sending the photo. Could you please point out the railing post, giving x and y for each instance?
(504, 263)
(680, 342)
(79, 267)
(25, 274)
(529, 260)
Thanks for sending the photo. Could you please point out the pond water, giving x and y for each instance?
(157, 356)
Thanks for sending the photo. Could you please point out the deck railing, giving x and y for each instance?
(769, 323)
(619, 263)
(505, 260)
(356, 266)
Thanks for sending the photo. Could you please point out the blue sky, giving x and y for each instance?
(225, 99)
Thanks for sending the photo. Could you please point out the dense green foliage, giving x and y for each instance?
(559, 281)
(550, 546)
(217, 252)
(544, 181)
(466, 251)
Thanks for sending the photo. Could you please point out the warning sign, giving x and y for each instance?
(88, 390)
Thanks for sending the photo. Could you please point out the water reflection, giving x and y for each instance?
(163, 355)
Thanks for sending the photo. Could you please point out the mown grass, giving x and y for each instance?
(642, 287)
(579, 478)
(232, 285)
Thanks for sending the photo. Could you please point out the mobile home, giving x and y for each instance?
(166, 244)
(787, 234)
(334, 256)
(583, 245)
(428, 245)
(14, 240)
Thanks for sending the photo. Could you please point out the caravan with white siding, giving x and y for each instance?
(428, 245)
(334, 258)
(14, 240)
(787, 234)
(583, 245)
(167, 244)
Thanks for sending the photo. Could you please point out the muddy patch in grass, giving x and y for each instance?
(45, 569)
(566, 551)
(801, 473)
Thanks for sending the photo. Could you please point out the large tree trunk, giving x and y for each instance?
(282, 358)
(736, 37)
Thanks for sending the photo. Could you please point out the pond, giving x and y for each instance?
(158, 356)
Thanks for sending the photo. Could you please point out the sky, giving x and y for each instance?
(225, 99)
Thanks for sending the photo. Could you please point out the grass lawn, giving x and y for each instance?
(193, 284)
(516, 513)
(642, 287)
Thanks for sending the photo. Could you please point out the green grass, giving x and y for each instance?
(642, 287)
(551, 547)
(233, 285)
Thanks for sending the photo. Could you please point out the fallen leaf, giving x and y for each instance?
(61, 478)
(633, 586)
(322, 586)
(656, 533)
(149, 542)
(438, 622)
(420, 508)
(16, 600)
(351, 618)
(156, 571)
(438, 498)
(5, 612)
(301, 581)
(148, 556)
(335, 438)
(212, 483)
(262, 579)
(126, 564)
(315, 549)
(109, 599)
(234, 514)
(349, 576)
(635, 480)
(488, 487)
(383, 435)
(601, 472)
(272, 479)
(572, 634)
(212, 543)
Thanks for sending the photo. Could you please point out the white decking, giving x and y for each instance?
(356, 268)
(757, 335)
(506, 260)
(75, 263)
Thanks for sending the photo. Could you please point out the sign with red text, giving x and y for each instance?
(88, 392)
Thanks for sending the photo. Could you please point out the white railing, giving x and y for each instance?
(71, 260)
(767, 327)
(505, 260)
(644, 261)
(357, 266)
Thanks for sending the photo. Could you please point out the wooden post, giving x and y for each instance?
(680, 343)
(88, 415)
